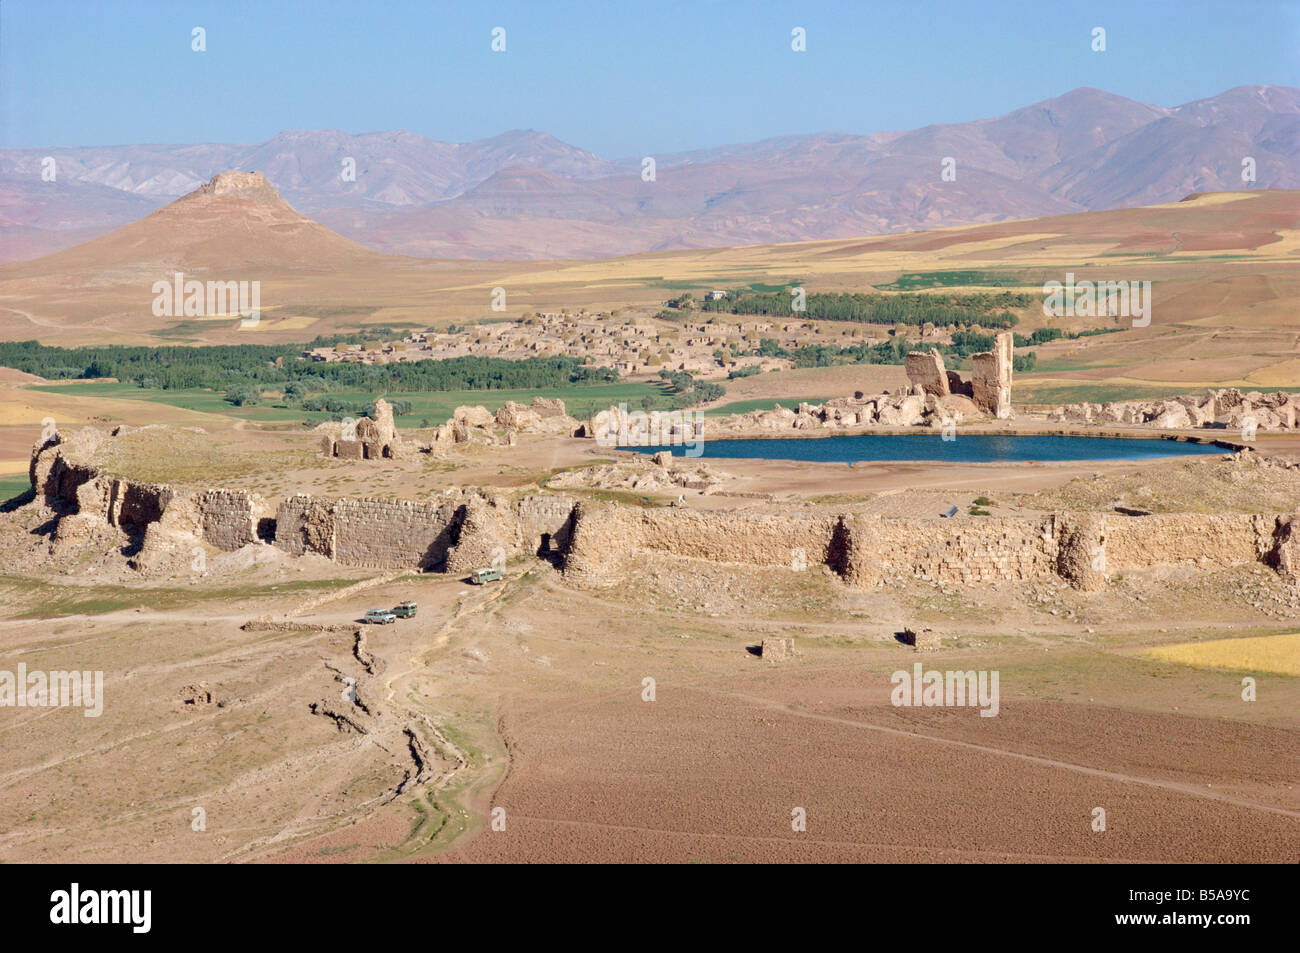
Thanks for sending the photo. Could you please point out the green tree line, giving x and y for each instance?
(983, 308)
(223, 367)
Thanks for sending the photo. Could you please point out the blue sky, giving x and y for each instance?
(618, 78)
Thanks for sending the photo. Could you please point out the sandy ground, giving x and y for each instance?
(528, 696)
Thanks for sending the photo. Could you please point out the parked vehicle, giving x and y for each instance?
(379, 616)
(487, 574)
(404, 610)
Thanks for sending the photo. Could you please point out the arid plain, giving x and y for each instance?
(511, 721)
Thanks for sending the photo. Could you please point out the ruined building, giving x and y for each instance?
(990, 384)
(365, 439)
(991, 378)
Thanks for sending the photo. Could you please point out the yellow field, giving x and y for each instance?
(18, 413)
(1284, 374)
(295, 323)
(1274, 654)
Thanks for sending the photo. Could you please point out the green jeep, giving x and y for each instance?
(488, 574)
(404, 610)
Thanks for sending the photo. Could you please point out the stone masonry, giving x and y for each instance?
(598, 543)
(926, 370)
(991, 377)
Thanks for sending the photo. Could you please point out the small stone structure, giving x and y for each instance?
(370, 438)
(923, 640)
(774, 650)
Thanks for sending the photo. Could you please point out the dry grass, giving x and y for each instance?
(1272, 654)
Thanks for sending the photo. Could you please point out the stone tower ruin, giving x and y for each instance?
(991, 378)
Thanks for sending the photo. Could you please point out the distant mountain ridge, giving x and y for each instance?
(526, 194)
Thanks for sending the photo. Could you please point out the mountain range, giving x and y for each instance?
(527, 195)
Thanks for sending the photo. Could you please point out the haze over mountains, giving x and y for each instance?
(525, 194)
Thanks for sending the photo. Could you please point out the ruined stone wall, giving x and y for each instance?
(926, 370)
(540, 516)
(863, 549)
(1082, 548)
(1285, 556)
(1181, 539)
(596, 542)
(991, 377)
(393, 534)
(494, 529)
(304, 524)
(229, 518)
(135, 505)
(387, 534)
(989, 549)
(606, 536)
(63, 482)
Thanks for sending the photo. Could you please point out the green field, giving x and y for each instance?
(701, 285)
(950, 279)
(581, 400)
(14, 485)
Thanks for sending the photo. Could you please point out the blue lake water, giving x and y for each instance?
(966, 448)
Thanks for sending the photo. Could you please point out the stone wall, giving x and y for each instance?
(304, 524)
(1285, 554)
(864, 549)
(926, 370)
(596, 543)
(968, 551)
(229, 519)
(1200, 540)
(393, 534)
(605, 537)
(385, 534)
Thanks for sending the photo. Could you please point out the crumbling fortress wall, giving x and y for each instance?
(866, 549)
(597, 543)
(451, 535)
(607, 538)
(233, 518)
(382, 534)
